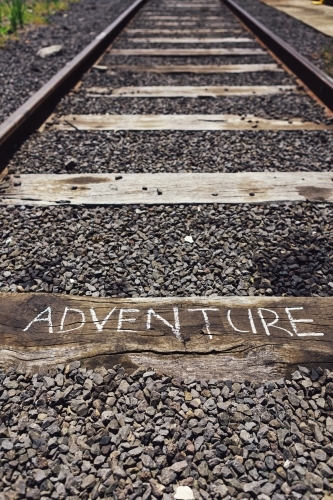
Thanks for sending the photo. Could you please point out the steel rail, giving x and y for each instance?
(315, 79)
(40, 105)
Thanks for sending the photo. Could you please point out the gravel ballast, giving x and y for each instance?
(287, 105)
(115, 78)
(110, 59)
(126, 433)
(306, 40)
(178, 151)
(73, 29)
(81, 433)
(173, 151)
(132, 45)
(139, 251)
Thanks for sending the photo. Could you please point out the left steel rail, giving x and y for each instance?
(38, 107)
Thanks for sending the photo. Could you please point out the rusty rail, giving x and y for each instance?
(315, 79)
(36, 109)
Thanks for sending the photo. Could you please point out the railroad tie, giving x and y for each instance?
(218, 82)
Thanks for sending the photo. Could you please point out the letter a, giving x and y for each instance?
(40, 318)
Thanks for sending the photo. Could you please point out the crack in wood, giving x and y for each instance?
(168, 188)
(198, 69)
(223, 335)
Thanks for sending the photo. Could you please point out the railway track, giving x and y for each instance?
(144, 127)
(174, 212)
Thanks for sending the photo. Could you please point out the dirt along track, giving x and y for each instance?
(166, 263)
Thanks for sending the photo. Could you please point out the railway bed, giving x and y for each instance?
(166, 272)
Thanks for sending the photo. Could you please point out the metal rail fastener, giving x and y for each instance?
(39, 106)
(315, 79)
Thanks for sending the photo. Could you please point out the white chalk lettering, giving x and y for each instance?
(129, 320)
(293, 322)
(272, 323)
(206, 319)
(232, 325)
(71, 310)
(99, 325)
(39, 318)
(175, 329)
(253, 326)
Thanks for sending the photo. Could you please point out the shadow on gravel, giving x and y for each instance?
(134, 251)
(300, 266)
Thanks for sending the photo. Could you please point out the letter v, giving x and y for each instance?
(99, 325)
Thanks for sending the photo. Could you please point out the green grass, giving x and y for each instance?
(15, 14)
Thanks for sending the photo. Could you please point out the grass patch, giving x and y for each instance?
(15, 14)
(328, 59)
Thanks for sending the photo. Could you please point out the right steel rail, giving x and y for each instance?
(315, 79)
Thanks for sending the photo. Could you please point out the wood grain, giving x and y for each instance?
(195, 5)
(178, 122)
(199, 69)
(3, 174)
(240, 338)
(160, 39)
(232, 51)
(179, 19)
(167, 188)
(190, 91)
(154, 31)
(190, 23)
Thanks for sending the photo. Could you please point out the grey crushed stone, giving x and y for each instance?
(128, 36)
(292, 105)
(78, 433)
(140, 251)
(126, 44)
(178, 151)
(285, 106)
(198, 15)
(110, 59)
(115, 78)
(306, 40)
(73, 29)
(89, 438)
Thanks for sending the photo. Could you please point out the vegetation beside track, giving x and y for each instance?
(15, 14)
